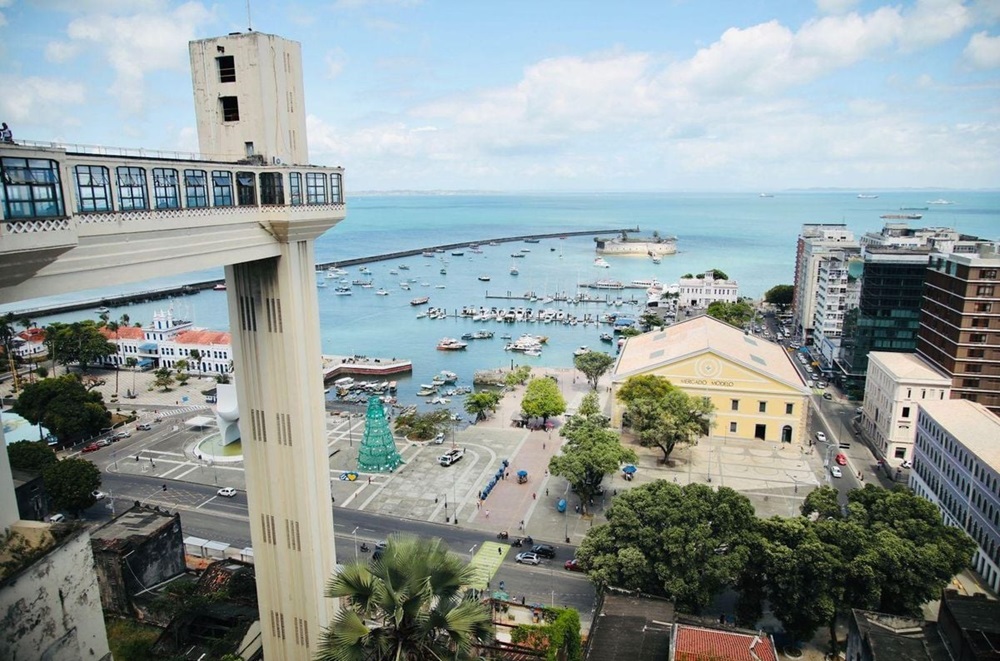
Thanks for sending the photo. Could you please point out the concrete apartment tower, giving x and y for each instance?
(815, 244)
(248, 98)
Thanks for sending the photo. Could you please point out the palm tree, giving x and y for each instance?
(7, 336)
(409, 604)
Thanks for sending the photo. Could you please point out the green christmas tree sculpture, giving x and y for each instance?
(378, 452)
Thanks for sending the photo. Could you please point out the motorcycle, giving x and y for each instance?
(364, 548)
(517, 542)
(502, 534)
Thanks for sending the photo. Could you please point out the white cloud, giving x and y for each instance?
(835, 6)
(983, 51)
(61, 51)
(137, 44)
(39, 100)
(934, 21)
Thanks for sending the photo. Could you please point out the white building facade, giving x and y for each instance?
(896, 384)
(703, 290)
(815, 243)
(956, 466)
(838, 289)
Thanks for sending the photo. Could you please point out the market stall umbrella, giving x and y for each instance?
(629, 469)
(522, 473)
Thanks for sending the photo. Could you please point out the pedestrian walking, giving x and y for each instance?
(502, 585)
(520, 526)
(534, 495)
(487, 514)
(546, 491)
(500, 552)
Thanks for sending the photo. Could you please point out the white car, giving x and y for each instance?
(528, 558)
(57, 518)
(228, 492)
(98, 495)
(439, 439)
(836, 472)
(821, 437)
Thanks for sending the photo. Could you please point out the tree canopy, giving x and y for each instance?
(80, 342)
(683, 543)
(542, 398)
(421, 426)
(64, 406)
(780, 295)
(662, 416)
(482, 402)
(594, 365)
(736, 314)
(30, 455)
(411, 604)
(70, 483)
(592, 452)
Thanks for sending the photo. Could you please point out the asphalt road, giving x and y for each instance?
(207, 515)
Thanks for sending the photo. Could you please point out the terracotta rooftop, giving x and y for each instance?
(123, 333)
(32, 335)
(698, 643)
(203, 337)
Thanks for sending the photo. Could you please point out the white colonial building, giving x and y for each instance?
(895, 385)
(166, 341)
(956, 466)
(703, 289)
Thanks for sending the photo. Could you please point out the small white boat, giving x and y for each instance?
(381, 292)
(601, 263)
(102, 310)
(343, 291)
(484, 278)
(582, 349)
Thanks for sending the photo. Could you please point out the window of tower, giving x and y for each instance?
(230, 108)
(227, 69)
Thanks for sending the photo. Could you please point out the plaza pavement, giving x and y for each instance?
(775, 477)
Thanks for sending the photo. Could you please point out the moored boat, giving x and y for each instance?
(601, 263)
(420, 300)
(450, 344)
(484, 278)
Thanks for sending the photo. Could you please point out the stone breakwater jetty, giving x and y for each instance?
(464, 244)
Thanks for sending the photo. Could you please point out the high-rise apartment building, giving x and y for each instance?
(960, 323)
(816, 242)
(838, 282)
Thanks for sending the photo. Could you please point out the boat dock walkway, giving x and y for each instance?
(337, 366)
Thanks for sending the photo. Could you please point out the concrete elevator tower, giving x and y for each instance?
(249, 100)
(249, 104)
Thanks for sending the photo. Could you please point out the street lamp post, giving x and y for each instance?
(355, 533)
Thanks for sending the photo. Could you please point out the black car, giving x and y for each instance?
(543, 551)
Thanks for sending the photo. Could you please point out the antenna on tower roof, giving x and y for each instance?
(249, 20)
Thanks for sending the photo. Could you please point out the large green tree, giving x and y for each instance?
(683, 543)
(890, 553)
(594, 365)
(736, 314)
(70, 483)
(780, 295)
(30, 455)
(662, 416)
(64, 406)
(543, 399)
(84, 344)
(421, 426)
(591, 452)
(409, 605)
(481, 403)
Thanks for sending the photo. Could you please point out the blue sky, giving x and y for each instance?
(673, 95)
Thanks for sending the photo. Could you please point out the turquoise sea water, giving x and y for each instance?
(749, 237)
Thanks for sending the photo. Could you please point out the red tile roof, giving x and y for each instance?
(695, 643)
(203, 337)
(124, 333)
(32, 335)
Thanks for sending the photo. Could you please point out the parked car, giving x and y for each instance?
(98, 495)
(841, 459)
(228, 492)
(439, 439)
(104, 442)
(57, 518)
(91, 447)
(528, 558)
(836, 472)
(821, 437)
(122, 434)
(827, 395)
(144, 426)
(573, 565)
(544, 550)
